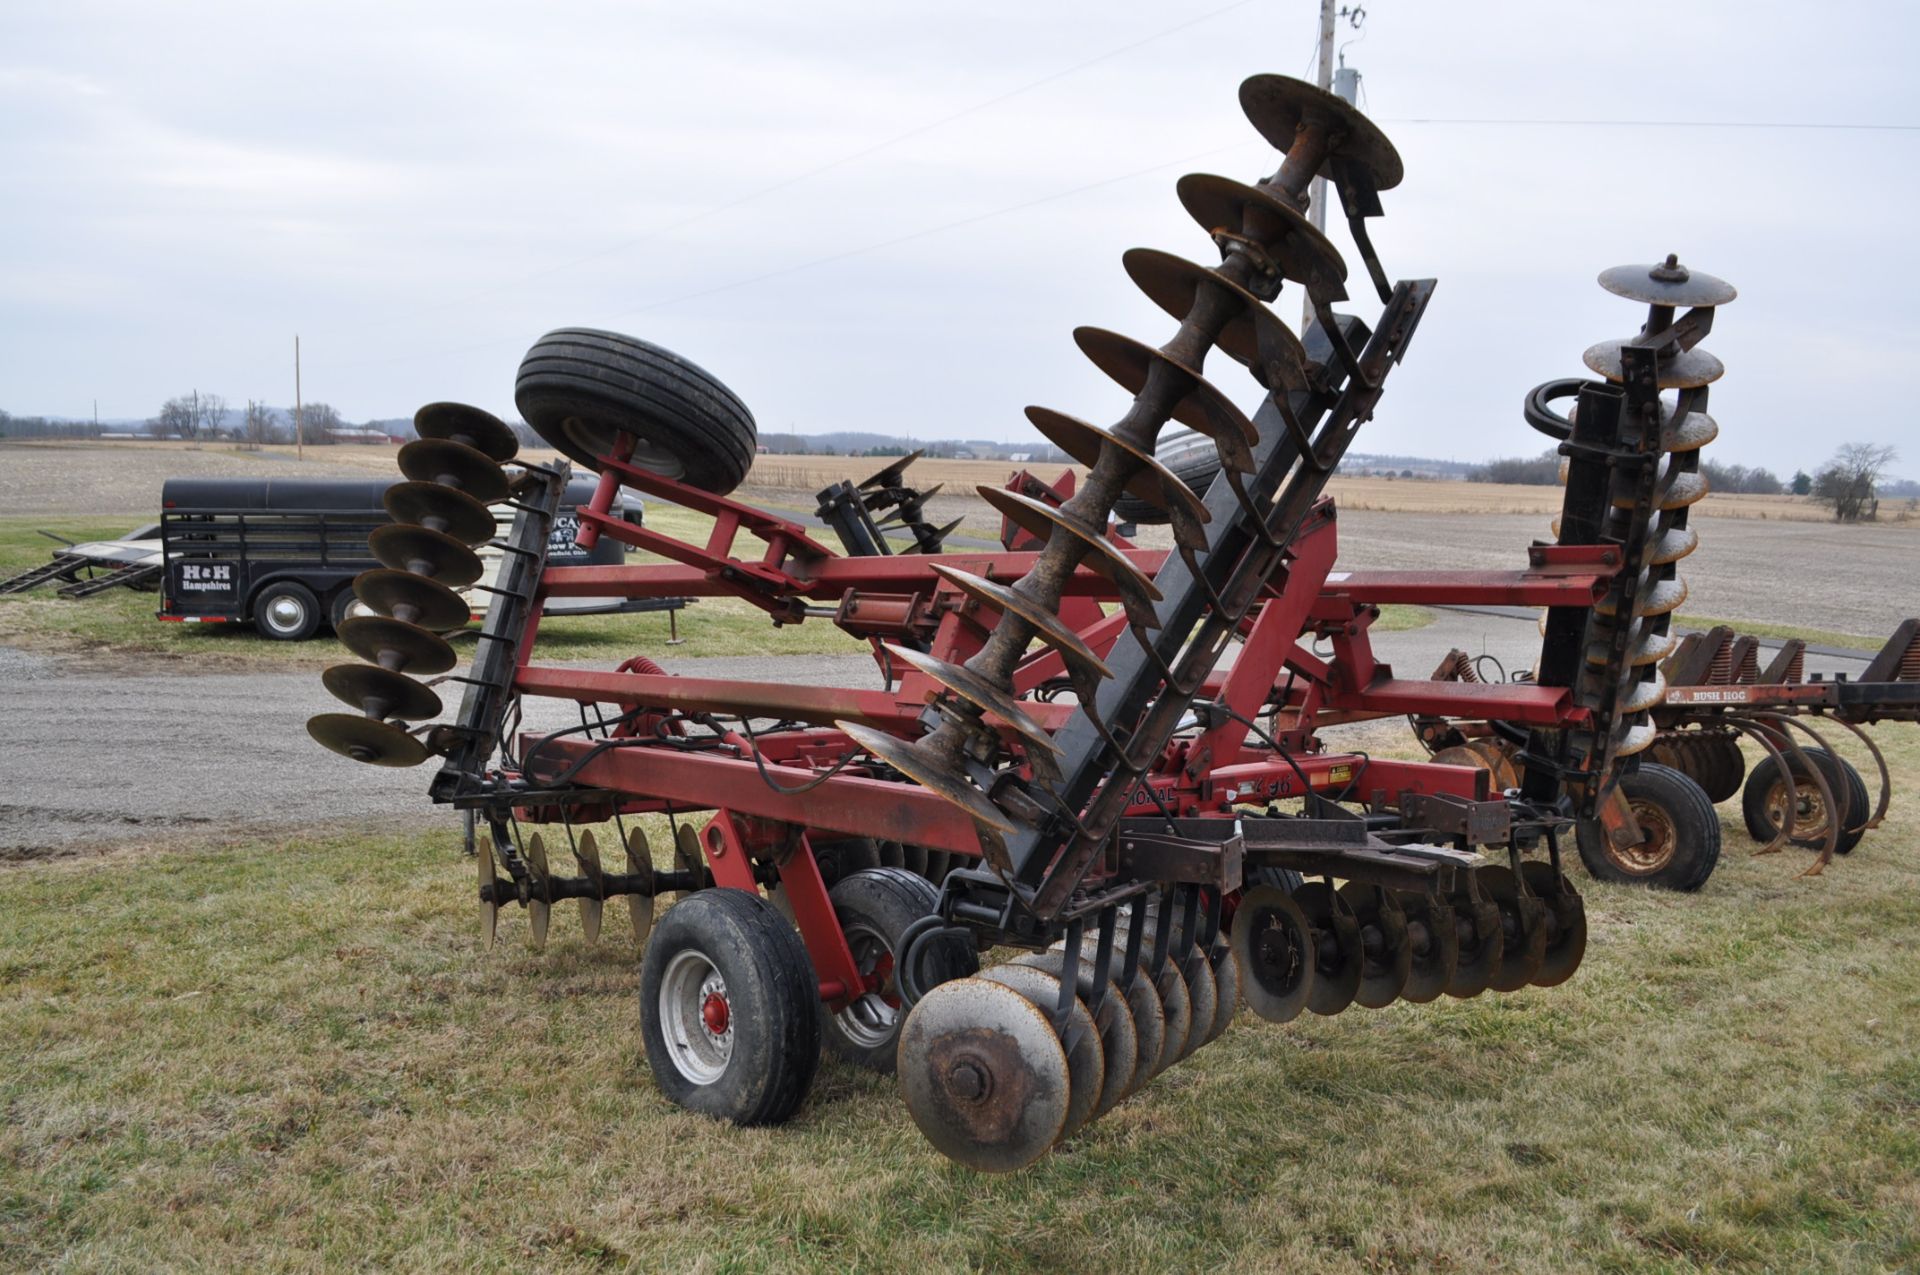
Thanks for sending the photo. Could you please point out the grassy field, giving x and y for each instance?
(289, 1055)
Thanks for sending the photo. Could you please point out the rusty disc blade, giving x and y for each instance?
(402, 595)
(1479, 941)
(1273, 944)
(1086, 1058)
(893, 475)
(1201, 408)
(1688, 370)
(456, 465)
(1523, 925)
(1672, 545)
(1255, 336)
(1046, 625)
(1153, 482)
(1119, 1042)
(976, 690)
(587, 852)
(1434, 939)
(378, 692)
(1041, 520)
(461, 423)
(983, 1075)
(1386, 959)
(1635, 737)
(690, 858)
(640, 906)
(909, 761)
(1692, 432)
(1643, 695)
(1142, 1000)
(1301, 252)
(489, 910)
(1567, 923)
(1176, 1010)
(539, 908)
(366, 740)
(396, 645)
(1226, 989)
(1279, 106)
(1202, 996)
(433, 554)
(440, 509)
(1649, 647)
(1666, 283)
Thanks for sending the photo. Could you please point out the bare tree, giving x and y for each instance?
(176, 419)
(210, 414)
(1849, 483)
(259, 422)
(319, 419)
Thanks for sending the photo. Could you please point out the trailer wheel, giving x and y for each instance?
(344, 607)
(1763, 803)
(581, 389)
(286, 611)
(729, 1009)
(1683, 834)
(1192, 460)
(875, 906)
(843, 856)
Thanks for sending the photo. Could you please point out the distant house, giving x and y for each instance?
(358, 434)
(1020, 458)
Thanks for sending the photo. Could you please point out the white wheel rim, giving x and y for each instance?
(286, 613)
(689, 989)
(869, 1021)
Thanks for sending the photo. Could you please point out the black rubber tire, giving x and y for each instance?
(339, 607)
(1843, 781)
(1671, 805)
(843, 856)
(303, 613)
(879, 904)
(1283, 879)
(1192, 459)
(579, 387)
(773, 999)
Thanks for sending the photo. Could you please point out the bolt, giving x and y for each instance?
(968, 1080)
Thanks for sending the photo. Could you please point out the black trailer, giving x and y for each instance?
(281, 553)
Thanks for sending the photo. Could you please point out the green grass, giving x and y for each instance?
(289, 1054)
(1758, 628)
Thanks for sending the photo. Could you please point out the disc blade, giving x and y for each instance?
(1279, 106)
(1255, 335)
(976, 690)
(1667, 284)
(396, 645)
(1522, 920)
(1226, 989)
(462, 423)
(983, 1075)
(908, 760)
(1202, 997)
(402, 595)
(1086, 1058)
(1044, 521)
(1302, 252)
(433, 554)
(587, 852)
(1153, 482)
(380, 693)
(1203, 408)
(1077, 655)
(689, 858)
(1386, 958)
(456, 465)
(1434, 941)
(1687, 370)
(1567, 923)
(1336, 949)
(1273, 945)
(365, 740)
(1119, 1043)
(1479, 941)
(489, 910)
(440, 509)
(539, 909)
(639, 906)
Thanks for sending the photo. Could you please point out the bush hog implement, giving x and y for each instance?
(1061, 758)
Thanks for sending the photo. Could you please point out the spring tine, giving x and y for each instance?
(587, 852)
(1047, 627)
(1155, 483)
(909, 761)
(975, 689)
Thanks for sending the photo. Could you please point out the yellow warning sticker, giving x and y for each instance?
(1339, 774)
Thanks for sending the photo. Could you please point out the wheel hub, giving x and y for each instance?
(713, 1012)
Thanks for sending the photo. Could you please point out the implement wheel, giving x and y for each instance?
(1682, 834)
(582, 389)
(730, 1009)
(875, 906)
(1763, 803)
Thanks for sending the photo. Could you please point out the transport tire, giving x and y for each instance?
(344, 606)
(581, 388)
(1191, 458)
(1683, 834)
(1763, 802)
(730, 1009)
(1285, 880)
(844, 856)
(286, 611)
(875, 906)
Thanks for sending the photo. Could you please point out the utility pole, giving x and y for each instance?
(299, 420)
(1347, 84)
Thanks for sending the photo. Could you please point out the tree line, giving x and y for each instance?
(1852, 483)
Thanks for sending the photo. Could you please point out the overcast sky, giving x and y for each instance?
(891, 216)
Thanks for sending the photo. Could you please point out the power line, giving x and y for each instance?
(1846, 126)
